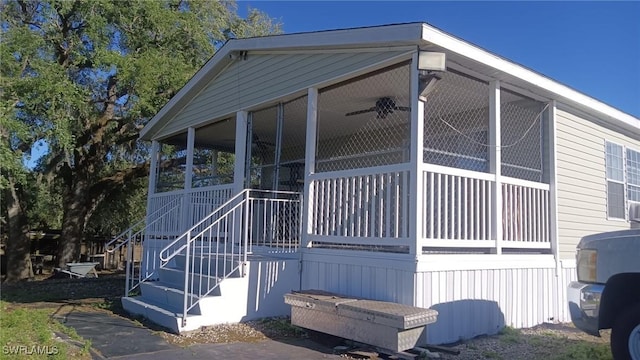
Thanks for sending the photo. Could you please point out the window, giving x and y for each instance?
(623, 179)
(615, 181)
(633, 175)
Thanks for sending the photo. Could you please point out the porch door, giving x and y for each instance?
(275, 161)
(275, 150)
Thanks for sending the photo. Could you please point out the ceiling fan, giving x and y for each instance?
(383, 107)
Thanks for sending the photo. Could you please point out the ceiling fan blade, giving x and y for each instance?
(402, 108)
(372, 109)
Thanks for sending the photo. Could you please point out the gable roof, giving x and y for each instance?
(460, 53)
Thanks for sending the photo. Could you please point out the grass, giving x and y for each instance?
(550, 345)
(585, 351)
(510, 335)
(30, 334)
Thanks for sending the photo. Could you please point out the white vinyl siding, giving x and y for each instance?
(582, 179)
(262, 78)
(615, 181)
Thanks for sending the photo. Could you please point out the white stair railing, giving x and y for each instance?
(165, 217)
(217, 246)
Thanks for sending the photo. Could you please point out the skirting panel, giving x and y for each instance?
(350, 273)
(479, 302)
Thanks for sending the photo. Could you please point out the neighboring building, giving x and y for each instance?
(375, 174)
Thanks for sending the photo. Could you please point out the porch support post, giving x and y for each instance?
(278, 154)
(416, 215)
(240, 151)
(553, 183)
(153, 169)
(495, 165)
(153, 179)
(188, 176)
(309, 166)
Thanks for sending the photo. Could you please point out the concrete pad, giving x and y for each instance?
(264, 350)
(114, 336)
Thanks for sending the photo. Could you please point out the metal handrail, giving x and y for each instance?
(142, 221)
(230, 225)
(159, 216)
(215, 212)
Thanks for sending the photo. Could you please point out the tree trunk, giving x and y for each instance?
(18, 252)
(75, 211)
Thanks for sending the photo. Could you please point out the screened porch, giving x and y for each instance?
(380, 165)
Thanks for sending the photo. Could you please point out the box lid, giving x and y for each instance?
(387, 313)
(316, 299)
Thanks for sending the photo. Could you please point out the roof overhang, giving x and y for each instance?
(461, 53)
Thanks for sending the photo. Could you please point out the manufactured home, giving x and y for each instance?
(395, 163)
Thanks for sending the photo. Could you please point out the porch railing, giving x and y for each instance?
(217, 246)
(200, 202)
(457, 208)
(363, 207)
(132, 240)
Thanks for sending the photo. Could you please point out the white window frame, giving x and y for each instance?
(628, 183)
(623, 182)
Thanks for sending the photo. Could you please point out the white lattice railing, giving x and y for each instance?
(457, 210)
(361, 207)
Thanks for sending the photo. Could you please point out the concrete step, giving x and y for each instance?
(174, 278)
(210, 264)
(166, 294)
(157, 313)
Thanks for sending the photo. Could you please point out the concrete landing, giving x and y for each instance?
(116, 337)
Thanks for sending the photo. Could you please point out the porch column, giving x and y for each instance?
(309, 165)
(553, 184)
(188, 176)
(153, 177)
(416, 214)
(240, 152)
(153, 170)
(495, 158)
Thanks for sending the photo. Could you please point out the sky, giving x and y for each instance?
(592, 47)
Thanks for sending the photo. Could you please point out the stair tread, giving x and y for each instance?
(170, 287)
(174, 270)
(159, 307)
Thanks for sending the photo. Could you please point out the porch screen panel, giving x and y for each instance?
(365, 122)
(214, 154)
(521, 136)
(171, 167)
(456, 129)
(263, 148)
(292, 153)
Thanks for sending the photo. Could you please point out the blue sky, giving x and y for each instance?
(593, 47)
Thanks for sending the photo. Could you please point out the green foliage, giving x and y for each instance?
(84, 77)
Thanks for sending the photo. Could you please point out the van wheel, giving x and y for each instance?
(625, 334)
